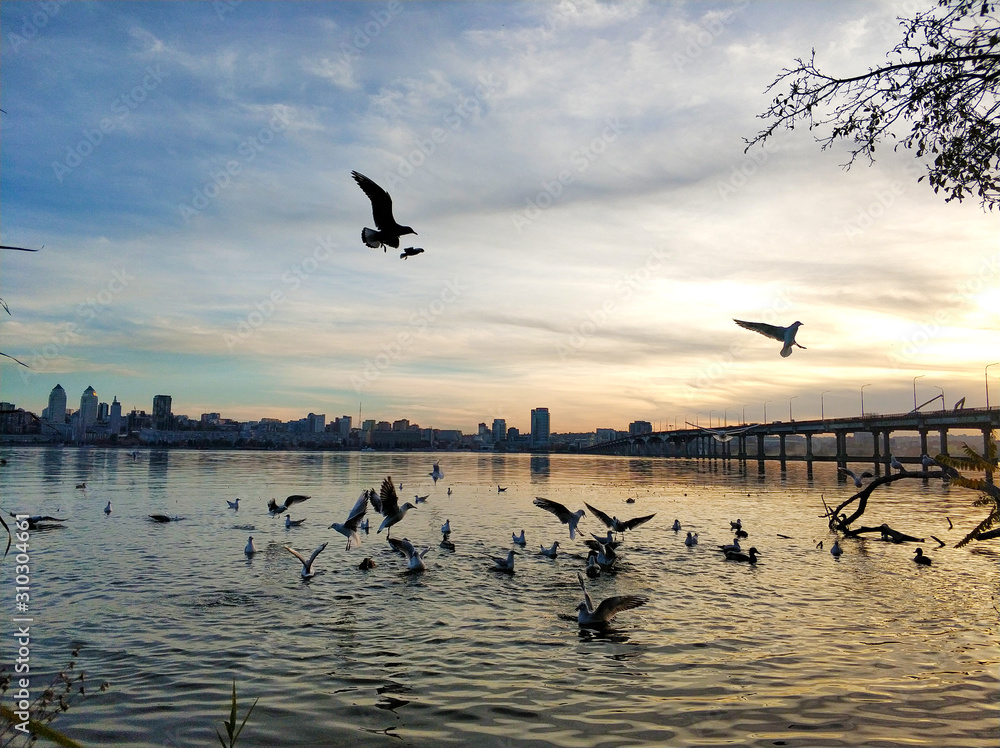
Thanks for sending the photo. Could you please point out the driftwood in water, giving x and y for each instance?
(839, 521)
(887, 533)
(989, 535)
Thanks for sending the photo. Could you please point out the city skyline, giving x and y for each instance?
(577, 177)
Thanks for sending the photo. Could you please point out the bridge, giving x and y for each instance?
(731, 443)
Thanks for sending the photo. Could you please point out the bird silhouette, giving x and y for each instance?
(387, 231)
(785, 334)
(410, 252)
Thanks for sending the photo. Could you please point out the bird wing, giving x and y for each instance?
(358, 511)
(611, 607)
(771, 331)
(389, 499)
(555, 507)
(404, 546)
(312, 558)
(600, 515)
(272, 505)
(47, 518)
(294, 499)
(381, 202)
(847, 471)
(297, 555)
(586, 595)
(635, 522)
(868, 474)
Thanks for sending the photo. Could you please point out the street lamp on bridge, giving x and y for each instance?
(987, 372)
(725, 417)
(765, 410)
(863, 398)
(915, 391)
(943, 404)
(790, 407)
(822, 415)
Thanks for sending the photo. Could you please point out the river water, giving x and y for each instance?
(800, 650)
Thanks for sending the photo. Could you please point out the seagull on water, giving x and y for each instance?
(921, 559)
(446, 527)
(418, 499)
(733, 547)
(606, 555)
(349, 529)
(504, 564)
(410, 252)
(289, 522)
(307, 563)
(234, 504)
(250, 548)
(550, 552)
(36, 521)
(785, 334)
(608, 609)
(107, 509)
(365, 525)
(616, 524)
(387, 231)
(414, 558)
(274, 509)
(691, 540)
(387, 504)
(677, 525)
(737, 525)
(437, 475)
(835, 549)
(593, 567)
(519, 539)
(856, 478)
(748, 557)
(565, 515)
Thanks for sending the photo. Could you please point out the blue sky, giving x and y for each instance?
(576, 176)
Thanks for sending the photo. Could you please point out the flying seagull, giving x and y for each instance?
(616, 524)
(387, 504)
(608, 609)
(565, 515)
(307, 563)
(785, 334)
(389, 231)
(436, 473)
(722, 435)
(856, 478)
(274, 508)
(350, 527)
(410, 252)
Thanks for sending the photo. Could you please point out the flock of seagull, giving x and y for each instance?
(387, 233)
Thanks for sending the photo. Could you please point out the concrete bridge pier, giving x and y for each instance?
(781, 452)
(809, 456)
(875, 453)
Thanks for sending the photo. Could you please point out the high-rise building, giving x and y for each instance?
(499, 430)
(115, 417)
(57, 405)
(539, 427)
(162, 416)
(88, 407)
(344, 426)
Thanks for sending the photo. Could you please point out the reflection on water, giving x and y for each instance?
(801, 649)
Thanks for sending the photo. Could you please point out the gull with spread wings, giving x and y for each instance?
(387, 231)
(785, 334)
(608, 609)
(615, 524)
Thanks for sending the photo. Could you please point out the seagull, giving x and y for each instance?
(504, 564)
(785, 334)
(737, 525)
(608, 539)
(691, 540)
(410, 252)
(928, 461)
(616, 524)
(389, 231)
(365, 526)
(835, 549)
(234, 504)
(550, 552)
(107, 509)
(251, 548)
(446, 527)
(565, 515)
(415, 559)
(921, 559)
(732, 547)
(857, 478)
(289, 522)
(896, 464)
(418, 499)
(519, 539)
(437, 475)
(606, 555)
(501, 490)
(35, 520)
(608, 609)
(677, 525)
(349, 529)
(449, 490)
(307, 563)
(722, 435)
(274, 508)
(748, 557)
(387, 504)
(593, 568)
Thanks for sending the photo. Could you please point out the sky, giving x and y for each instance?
(575, 173)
